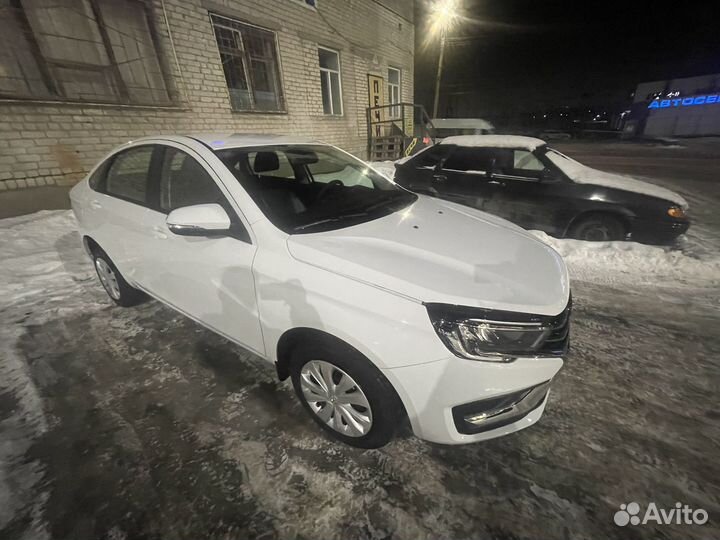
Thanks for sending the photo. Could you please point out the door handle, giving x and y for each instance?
(158, 232)
(496, 182)
(439, 177)
(95, 204)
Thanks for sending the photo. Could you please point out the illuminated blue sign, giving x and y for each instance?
(684, 102)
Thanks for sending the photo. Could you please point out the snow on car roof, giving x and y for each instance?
(238, 140)
(494, 141)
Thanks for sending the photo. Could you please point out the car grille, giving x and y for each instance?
(558, 341)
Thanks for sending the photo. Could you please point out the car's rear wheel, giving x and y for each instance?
(598, 228)
(113, 282)
(344, 393)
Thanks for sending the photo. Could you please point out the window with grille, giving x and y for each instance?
(80, 50)
(330, 83)
(250, 62)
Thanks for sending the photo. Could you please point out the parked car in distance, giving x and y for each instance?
(524, 181)
(450, 127)
(378, 303)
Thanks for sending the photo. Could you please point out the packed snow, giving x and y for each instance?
(494, 141)
(582, 174)
(631, 263)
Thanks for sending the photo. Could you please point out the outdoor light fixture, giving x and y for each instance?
(444, 14)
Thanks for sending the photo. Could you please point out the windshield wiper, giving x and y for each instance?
(330, 220)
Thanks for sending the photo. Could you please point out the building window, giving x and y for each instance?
(311, 3)
(394, 79)
(330, 81)
(250, 61)
(80, 50)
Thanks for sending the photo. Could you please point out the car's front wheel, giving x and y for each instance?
(598, 228)
(113, 282)
(345, 393)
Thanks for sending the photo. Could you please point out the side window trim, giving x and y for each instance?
(101, 186)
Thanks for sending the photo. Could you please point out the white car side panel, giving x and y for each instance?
(210, 279)
(390, 330)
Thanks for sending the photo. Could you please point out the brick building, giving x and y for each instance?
(78, 77)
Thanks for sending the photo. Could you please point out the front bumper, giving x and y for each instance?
(658, 232)
(439, 395)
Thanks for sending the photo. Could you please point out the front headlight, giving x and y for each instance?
(487, 335)
(676, 212)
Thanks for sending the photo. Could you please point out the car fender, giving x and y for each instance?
(389, 329)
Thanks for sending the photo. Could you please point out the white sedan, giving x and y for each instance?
(378, 303)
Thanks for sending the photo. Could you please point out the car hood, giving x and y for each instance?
(582, 174)
(437, 251)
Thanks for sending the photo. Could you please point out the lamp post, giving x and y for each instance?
(444, 14)
(439, 74)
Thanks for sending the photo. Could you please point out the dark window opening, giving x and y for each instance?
(250, 62)
(184, 182)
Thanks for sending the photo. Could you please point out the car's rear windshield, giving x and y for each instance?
(311, 188)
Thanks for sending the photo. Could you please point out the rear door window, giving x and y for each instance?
(472, 160)
(127, 177)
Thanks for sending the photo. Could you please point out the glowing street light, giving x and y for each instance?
(443, 16)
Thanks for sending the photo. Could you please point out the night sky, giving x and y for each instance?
(525, 55)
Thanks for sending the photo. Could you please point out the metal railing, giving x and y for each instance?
(395, 128)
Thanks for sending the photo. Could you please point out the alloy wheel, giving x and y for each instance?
(108, 278)
(336, 398)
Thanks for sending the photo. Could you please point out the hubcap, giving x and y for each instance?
(107, 278)
(336, 398)
(598, 233)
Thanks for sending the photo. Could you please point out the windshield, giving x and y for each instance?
(566, 164)
(310, 188)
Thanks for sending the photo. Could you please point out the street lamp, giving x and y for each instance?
(443, 15)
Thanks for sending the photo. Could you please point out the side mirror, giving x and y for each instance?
(199, 220)
(547, 175)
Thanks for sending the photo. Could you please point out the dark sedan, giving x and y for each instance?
(536, 187)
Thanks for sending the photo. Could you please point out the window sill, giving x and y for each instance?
(102, 104)
(250, 111)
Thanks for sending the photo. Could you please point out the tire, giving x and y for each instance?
(357, 383)
(113, 282)
(598, 228)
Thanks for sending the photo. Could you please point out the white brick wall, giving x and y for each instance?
(49, 142)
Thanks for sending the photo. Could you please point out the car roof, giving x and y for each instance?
(461, 123)
(217, 141)
(495, 141)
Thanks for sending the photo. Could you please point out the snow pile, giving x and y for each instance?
(582, 174)
(386, 168)
(42, 257)
(633, 263)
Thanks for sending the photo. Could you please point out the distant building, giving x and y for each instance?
(78, 77)
(677, 107)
